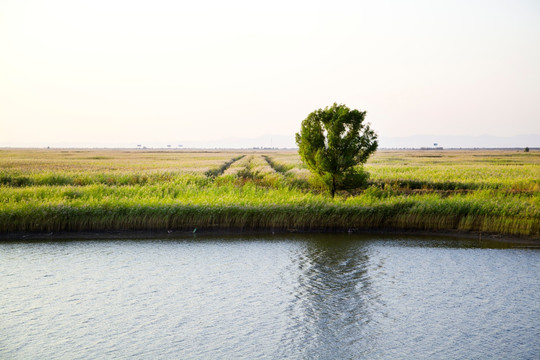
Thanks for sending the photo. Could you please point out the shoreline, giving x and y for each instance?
(482, 237)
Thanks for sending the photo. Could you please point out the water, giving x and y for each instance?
(269, 297)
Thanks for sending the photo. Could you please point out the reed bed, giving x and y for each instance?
(261, 166)
(101, 207)
(277, 166)
(223, 167)
(455, 177)
(494, 192)
(238, 166)
(73, 161)
(457, 169)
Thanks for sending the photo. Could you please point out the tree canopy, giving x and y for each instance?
(332, 142)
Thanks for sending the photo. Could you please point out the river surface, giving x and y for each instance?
(322, 296)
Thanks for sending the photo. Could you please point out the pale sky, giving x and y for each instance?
(121, 73)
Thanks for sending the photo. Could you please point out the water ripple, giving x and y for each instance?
(316, 297)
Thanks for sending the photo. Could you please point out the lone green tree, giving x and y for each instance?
(332, 142)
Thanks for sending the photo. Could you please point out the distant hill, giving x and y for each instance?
(287, 142)
(416, 141)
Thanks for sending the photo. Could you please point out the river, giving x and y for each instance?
(309, 296)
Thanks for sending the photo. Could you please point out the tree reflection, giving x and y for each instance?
(333, 299)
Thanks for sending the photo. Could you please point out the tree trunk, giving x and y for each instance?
(333, 188)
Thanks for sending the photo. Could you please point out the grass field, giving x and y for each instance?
(495, 191)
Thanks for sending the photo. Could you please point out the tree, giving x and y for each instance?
(332, 142)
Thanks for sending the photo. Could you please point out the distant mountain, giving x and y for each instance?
(416, 141)
(287, 141)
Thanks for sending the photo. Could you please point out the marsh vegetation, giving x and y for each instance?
(91, 190)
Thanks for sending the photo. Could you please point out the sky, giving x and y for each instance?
(120, 73)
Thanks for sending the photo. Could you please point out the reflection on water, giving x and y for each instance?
(332, 301)
(322, 296)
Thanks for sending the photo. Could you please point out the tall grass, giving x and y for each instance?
(223, 167)
(270, 191)
(194, 203)
(280, 168)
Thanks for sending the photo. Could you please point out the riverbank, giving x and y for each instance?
(188, 206)
(481, 239)
(126, 191)
(326, 217)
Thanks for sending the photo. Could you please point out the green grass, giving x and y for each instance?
(496, 192)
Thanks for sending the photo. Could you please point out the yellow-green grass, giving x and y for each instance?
(457, 169)
(446, 169)
(238, 165)
(31, 161)
(490, 191)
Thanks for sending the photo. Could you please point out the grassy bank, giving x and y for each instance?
(496, 192)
